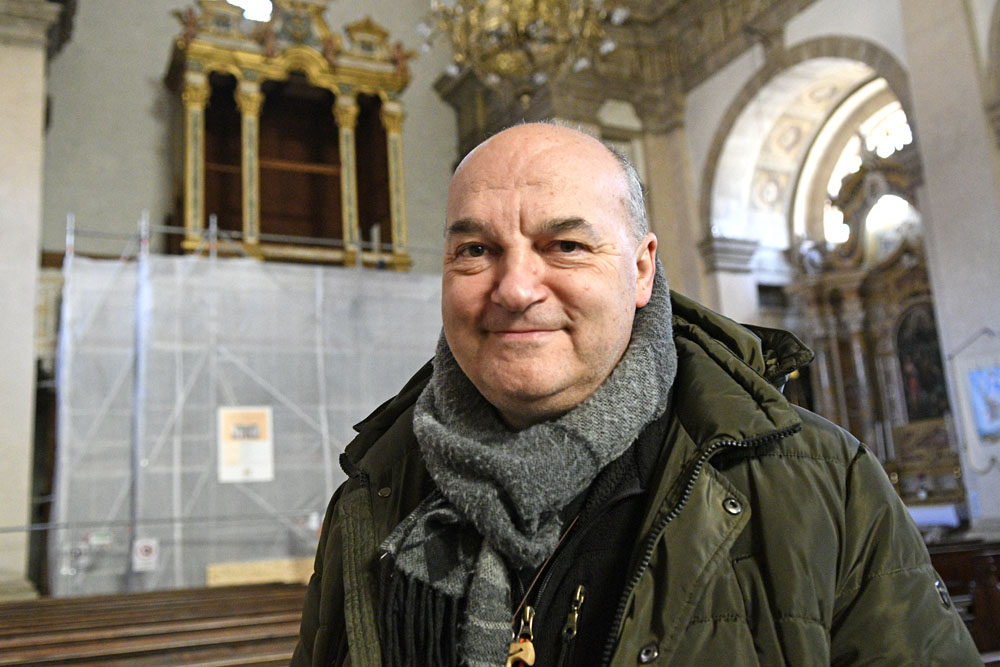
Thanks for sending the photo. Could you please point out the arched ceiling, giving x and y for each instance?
(755, 179)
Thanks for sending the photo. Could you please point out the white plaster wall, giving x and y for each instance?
(109, 145)
(107, 148)
(738, 299)
(706, 104)
(962, 193)
(879, 22)
(981, 11)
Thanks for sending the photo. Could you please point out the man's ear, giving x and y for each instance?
(645, 263)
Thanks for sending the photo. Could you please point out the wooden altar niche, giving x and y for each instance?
(866, 309)
(292, 135)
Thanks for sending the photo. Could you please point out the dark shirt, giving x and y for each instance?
(596, 553)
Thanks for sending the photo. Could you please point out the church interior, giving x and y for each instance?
(220, 247)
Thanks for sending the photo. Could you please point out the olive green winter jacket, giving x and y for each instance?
(773, 537)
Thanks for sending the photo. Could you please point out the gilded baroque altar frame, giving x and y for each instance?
(295, 42)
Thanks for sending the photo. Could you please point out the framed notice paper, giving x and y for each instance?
(978, 408)
(246, 444)
(984, 386)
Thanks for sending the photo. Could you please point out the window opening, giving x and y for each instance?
(255, 10)
(883, 133)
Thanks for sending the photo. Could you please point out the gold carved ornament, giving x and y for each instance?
(522, 44)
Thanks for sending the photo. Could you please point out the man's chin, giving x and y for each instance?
(522, 407)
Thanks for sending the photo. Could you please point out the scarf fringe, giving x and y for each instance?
(418, 625)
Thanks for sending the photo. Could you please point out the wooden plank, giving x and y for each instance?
(144, 629)
(109, 613)
(149, 644)
(254, 624)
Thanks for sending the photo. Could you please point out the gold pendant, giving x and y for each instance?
(522, 652)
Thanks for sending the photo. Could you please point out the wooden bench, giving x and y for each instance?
(971, 571)
(232, 625)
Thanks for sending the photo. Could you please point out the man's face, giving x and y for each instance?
(542, 275)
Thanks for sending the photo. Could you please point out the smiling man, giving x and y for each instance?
(541, 276)
(593, 470)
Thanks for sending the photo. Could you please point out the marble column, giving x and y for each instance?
(961, 197)
(346, 111)
(392, 120)
(808, 297)
(195, 96)
(852, 320)
(249, 99)
(23, 26)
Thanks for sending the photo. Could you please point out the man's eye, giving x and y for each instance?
(472, 250)
(567, 246)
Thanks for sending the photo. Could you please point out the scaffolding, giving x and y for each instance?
(151, 349)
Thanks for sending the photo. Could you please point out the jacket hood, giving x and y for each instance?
(773, 353)
(729, 375)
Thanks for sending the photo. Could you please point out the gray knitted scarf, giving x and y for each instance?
(446, 588)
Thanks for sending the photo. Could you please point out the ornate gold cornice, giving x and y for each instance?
(297, 39)
(665, 48)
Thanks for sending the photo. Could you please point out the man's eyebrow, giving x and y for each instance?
(549, 227)
(571, 224)
(464, 226)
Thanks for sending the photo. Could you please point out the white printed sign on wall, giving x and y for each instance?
(246, 444)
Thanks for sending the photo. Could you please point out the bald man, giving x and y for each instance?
(593, 470)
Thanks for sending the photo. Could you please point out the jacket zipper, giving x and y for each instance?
(569, 628)
(649, 546)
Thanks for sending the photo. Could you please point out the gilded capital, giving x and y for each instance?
(196, 95)
(346, 112)
(249, 101)
(392, 117)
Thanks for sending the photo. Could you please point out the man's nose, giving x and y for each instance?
(519, 281)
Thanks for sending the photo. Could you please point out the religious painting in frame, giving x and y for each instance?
(920, 366)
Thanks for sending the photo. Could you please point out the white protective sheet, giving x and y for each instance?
(149, 351)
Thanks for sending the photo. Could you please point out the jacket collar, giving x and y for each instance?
(728, 376)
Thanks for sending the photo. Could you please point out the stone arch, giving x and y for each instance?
(800, 62)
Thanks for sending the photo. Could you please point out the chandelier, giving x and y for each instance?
(522, 44)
